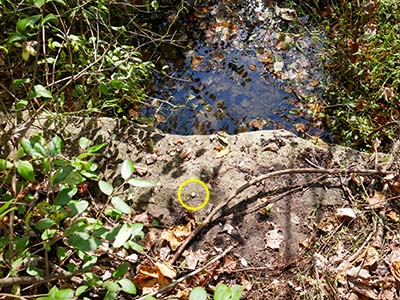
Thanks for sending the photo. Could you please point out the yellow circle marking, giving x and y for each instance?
(204, 203)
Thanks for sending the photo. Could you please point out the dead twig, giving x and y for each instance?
(183, 278)
(27, 280)
(263, 177)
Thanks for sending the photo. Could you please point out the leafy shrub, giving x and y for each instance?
(222, 292)
(365, 47)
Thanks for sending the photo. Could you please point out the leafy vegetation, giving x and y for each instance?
(363, 58)
(222, 292)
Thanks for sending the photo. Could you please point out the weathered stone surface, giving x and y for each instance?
(224, 163)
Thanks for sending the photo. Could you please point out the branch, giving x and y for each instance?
(260, 178)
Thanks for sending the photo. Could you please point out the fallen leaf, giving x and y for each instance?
(370, 258)
(222, 151)
(165, 270)
(345, 213)
(393, 216)
(258, 123)
(253, 67)
(271, 147)
(395, 264)
(176, 235)
(274, 239)
(196, 60)
(377, 201)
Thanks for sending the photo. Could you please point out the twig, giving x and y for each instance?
(27, 280)
(183, 278)
(260, 178)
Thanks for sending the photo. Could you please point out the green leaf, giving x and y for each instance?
(82, 241)
(65, 195)
(55, 146)
(222, 292)
(21, 104)
(48, 18)
(121, 205)
(198, 293)
(17, 37)
(84, 143)
(5, 165)
(31, 21)
(65, 294)
(121, 270)
(39, 3)
(123, 235)
(135, 246)
(105, 187)
(78, 206)
(25, 169)
(20, 81)
(61, 253)
(34, 271)
(127, 286)
(40, 91)
(80, 290)
(127, 169)
(141, 183)
(111, 286)
(149, 298)
(44, 223)
(237, 292)
(96, 148)
(61, 174)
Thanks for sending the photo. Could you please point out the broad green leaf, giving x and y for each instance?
(31, 21)
(41, 91)
(65, 195)
(127, 169)
(82, 241)
(89, 261)
(135, 246)
(137, 230)
(111, 286)
(110, 296)
(121, 270)
(198, 293)
(20, 81)
(48, 234)
(44, 223)
(5, 164)
(74, 178)
(222, 292)
(121, 205)
(127, 286)
(61, 253)
(20, 243)
(65, 294)
(77, 206)
(25, 169)
(80, 290)
(39, 3)
(48, 18)
(105, 187)
(21, 104)
(123, 236)
(17, 37)
(149, 298)
(237, 292)
(84, 143)
(61, 174)
(55, 146)
(141, 183)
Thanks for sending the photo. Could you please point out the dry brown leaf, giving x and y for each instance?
(377, 201)
(395, 268)
(196, 60)
(393, 216)
(253, 67)
(222, 151)
(257, 123)
(165, 270)
(271, 147)
(229, 264)
(176, 235)
(371, 257)
(301, 127)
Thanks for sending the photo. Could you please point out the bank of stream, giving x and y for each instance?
(253, 66)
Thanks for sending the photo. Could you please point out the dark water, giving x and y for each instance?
(224, 83)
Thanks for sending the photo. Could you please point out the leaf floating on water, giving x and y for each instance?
(258, 123)
(196, 60)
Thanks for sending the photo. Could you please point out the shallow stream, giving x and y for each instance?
(252, 67)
